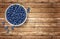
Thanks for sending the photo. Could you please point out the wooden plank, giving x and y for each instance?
(56, 37)
(25, 1)
(2, 10)
(31, 31)
(10, 37)
(57, 15)
(49, 30)
(36, 37)
(2, 30)
(57, 10)
(57, 4)
(9, 1)
(27, 33)
(38, 5)
(34, 5)
(43, 15)
(25, 37)
(56, 29)
(32, 1)
(40, 20)
(57, 33)
(37, 10)
(2, 15)
(45, 10)
(42, 5)
(54, 1)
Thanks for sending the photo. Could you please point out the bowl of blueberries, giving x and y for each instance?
(16, 14)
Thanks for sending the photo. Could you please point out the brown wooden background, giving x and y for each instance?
(43, 20)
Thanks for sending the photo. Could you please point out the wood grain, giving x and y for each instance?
(43, 20)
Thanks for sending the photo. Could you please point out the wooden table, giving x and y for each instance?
(43, 20)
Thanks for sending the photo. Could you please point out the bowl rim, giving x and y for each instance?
(11, 23)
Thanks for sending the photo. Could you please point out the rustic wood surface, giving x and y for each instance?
(43, 20)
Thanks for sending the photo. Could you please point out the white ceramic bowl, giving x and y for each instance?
(22, 22)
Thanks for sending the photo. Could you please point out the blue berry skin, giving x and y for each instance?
(12, 27)
(15, 14)
(3, 23)
(28, 10)
(6, 27)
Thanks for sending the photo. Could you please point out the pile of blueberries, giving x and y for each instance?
(15, 14)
